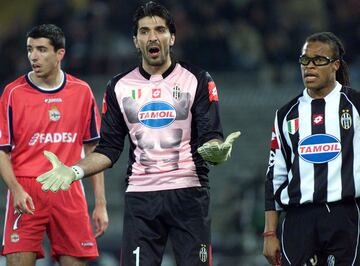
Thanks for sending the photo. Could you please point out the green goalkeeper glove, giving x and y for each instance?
(61, 176)
(215, 152)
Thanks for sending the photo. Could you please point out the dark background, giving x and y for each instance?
(250, 47)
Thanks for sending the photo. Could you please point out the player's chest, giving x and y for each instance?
(42, 111)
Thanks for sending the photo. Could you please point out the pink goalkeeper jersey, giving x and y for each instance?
(33, 120)
(166, 118)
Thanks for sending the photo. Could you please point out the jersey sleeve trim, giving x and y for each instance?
(96, 139)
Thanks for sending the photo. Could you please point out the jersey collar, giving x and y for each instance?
(52, 90)
(164, 75)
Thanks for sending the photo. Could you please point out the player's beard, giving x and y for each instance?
(158, 61)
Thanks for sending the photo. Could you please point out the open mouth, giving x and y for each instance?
(35, 67)
(154, 51)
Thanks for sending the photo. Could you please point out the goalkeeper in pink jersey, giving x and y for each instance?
(169, 111)
(48, 109)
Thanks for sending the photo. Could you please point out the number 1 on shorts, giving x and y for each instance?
(137, 254)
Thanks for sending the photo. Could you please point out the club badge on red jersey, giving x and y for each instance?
(54, 114)
(213, 95)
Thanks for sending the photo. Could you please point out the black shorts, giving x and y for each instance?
(328, 231)
(150, 218)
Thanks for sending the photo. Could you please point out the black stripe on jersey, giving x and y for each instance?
(285, 148)
(294, 185)
(7, 148)
(281, 114)
(11, 126)
(347, 136)
(320, 170)
(93, 129)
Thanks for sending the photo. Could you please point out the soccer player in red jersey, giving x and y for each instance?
(48, 109)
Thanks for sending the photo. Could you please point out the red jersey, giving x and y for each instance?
(33, 119)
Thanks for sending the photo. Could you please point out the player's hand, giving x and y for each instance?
(22, 202)
(271, 250)
(60, 177)
(100, 219)
(215, 152)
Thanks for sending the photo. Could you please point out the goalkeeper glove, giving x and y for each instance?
(215, 152)
(61, 176)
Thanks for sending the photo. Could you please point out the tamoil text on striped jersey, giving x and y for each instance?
(319, 148)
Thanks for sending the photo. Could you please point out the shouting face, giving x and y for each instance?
(154, 40)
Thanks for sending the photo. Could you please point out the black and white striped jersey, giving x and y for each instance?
(315, 150)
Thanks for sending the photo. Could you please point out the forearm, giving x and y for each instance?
(271, 221)
(7, 172)
(98, 185)
(94, 163)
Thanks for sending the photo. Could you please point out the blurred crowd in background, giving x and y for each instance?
(250, 47)
(219, 35)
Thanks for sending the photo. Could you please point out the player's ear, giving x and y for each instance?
(336, 65)
(172, 40)
(60, 53)
(136, 43)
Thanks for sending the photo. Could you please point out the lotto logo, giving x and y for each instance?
(318, 119)
(156, 93)
(213, 95)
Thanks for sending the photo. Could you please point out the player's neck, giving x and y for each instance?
(156, 70)
(321, 93)
(51, 80)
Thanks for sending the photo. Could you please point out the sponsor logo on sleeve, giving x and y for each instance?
(213, 95)
(157, 114)
(274, 142)
(319, 148)
(104, 105)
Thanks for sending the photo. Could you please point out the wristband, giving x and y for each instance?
(269, 233)
(78, 171)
